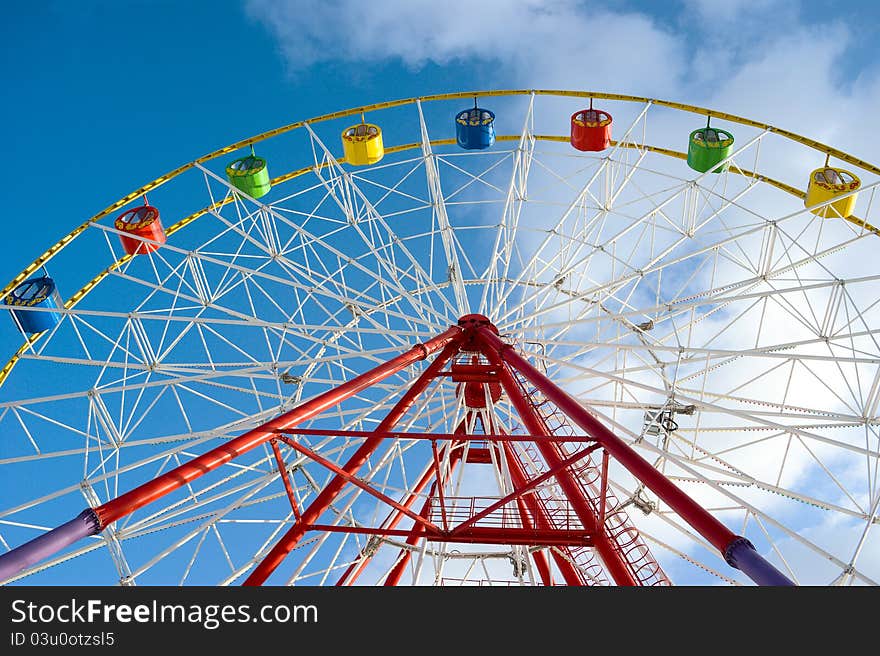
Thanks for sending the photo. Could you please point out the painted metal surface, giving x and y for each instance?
(552, 138)
(92, 284)
(828, 183)
(702, 521)
(141, 496)
(707, 147)
(475, 128)
(14, 561)
(591, 129)
(139, 224)
(144, 494)
(362, 144)
(573, 492)
(250, 175)
(533, 527)
(311, 514)
(161, 180)
(38, 292)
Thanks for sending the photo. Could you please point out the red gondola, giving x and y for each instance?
(591, 129)
(140, 222)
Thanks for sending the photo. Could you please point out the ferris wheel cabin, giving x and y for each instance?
(707, 147)
(475, 128)
(37, 292)
(140, 223)
(362, 144)
(591, 129)
(249, 175)
(828, 183)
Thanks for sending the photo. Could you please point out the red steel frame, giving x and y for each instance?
(170, 481)
(413, 538)
(357, 567)
(551, 454)
(704, 523)
(474, 335)
(540, 533)
(529, 505)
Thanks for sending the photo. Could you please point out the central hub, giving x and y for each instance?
(470, 323)
(476, 378)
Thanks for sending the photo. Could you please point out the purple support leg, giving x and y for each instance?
(742, 554)
(48, 544)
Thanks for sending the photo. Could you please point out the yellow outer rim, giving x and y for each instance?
(158, 182)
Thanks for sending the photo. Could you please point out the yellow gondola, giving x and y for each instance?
(362, 143)
(827, 183)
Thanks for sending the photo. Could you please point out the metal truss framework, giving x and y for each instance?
(518, 518)
(630, 333)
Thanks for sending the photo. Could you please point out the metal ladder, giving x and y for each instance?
(624, 536)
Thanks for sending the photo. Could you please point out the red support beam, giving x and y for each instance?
(477, 535)
(704, 523)
(412, 539)
(354, 480)
(522, 489)
(735, 549)
(282, 469)
(189, 471)
(518, 477)
(542, 564)
(603, 489)
(404, 435)
(473, 333)
(361, 530)
(438, 476)
(550, 452)
(357, 567)
(393, 519)
(524, 536)
(570, 573)
(310, 515)
(539, 557)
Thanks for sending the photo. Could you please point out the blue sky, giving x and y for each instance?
(105, 96)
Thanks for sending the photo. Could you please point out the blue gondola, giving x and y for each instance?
(475, 128)
(34, 292)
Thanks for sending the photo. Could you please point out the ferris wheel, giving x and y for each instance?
(511, 337)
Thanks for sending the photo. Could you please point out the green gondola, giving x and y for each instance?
(708, 146)
(250, 175)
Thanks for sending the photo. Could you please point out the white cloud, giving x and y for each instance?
(556, 42)
(757, 59)
(717, 14)
(763, 62)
